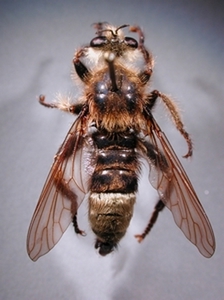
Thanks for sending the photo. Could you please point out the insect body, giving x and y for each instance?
(101, 154)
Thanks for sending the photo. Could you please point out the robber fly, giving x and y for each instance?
(100, 156)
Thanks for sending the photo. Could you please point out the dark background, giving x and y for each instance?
(38, 39)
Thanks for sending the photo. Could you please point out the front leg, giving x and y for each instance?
(81, 70)
(145, 75)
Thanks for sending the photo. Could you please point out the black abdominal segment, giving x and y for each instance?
(116, 163)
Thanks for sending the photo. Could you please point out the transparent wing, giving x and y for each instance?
(176, 191)
(63, 192)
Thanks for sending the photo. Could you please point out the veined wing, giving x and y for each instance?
(176, 191)
(63, 192)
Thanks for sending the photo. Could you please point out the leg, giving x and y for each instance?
(151, 99)
(62, 104)
(173, 109)
(144, 76)
(157, 159)
(158, 208)
(175, 115)
(69, 194)
(80, 68)
(49, 105)
(76, 227)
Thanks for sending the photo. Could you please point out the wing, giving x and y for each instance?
(176, 191)
(63, 192)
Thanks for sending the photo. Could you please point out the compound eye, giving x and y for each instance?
(131, 42)
(99, 41)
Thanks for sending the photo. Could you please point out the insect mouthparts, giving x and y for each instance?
(109, 58)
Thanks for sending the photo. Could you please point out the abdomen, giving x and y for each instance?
(113, 186)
